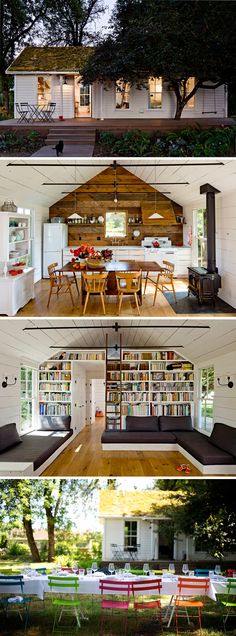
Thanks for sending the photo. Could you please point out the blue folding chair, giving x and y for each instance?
(15, 599)
(42, 571)
(201, 573)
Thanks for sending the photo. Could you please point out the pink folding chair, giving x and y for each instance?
(142, 588)
(109, 587)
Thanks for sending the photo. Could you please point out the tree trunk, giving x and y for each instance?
(51, 535)
(5, 91)
(31, 541)
(180, 104)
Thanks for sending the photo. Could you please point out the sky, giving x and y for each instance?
(103, 22)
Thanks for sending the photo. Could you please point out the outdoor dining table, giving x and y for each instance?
(112, 267)
(89, 585)
(36, 112)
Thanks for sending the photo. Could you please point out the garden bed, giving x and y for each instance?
(15, 144)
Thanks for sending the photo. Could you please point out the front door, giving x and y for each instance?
(82, 98)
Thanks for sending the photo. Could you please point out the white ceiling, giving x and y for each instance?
(24, 183)
(198, 344)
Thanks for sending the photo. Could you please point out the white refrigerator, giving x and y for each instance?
(55, 238)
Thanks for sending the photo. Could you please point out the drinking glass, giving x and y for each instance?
(75, 568)
(146, 568)
(81, 572)
(94, 567)
(127, 568)
(172, 568)
(111, 568)
(89, 571)
(217, 569)
(185, 568)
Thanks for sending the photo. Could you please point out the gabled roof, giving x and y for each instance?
(144, 503)
(54, 59)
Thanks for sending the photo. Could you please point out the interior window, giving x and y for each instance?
(189, 86)
(116, 224)
(207, 385)
(44, 90)
(28, 395)
(155, 92)
(122, 94)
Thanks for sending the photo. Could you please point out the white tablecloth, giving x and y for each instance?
(90, 585)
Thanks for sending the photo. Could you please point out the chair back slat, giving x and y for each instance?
(199, 587)
(57, 583)
(111, 586)
(129, 282)
(139, 587)
(231, 586)
(12, 581)
(96, 282)
(201, 572)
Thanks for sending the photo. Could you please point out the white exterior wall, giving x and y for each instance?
(104, 100)
(225, 241)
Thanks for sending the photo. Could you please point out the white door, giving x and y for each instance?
(82, 98)
(97, 397)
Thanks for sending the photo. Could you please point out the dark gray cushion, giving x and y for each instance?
(141, 423)
(8, 436)
(35, 448)
(224, 437)
(175, 423)
(54, 422)
(138, 437)
(200, 447)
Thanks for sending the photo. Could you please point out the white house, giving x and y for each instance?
(53, 74)
(135, 526)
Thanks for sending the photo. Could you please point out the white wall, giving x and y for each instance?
(40, 217)
(9, 397)
(225, 240)
(225, 398)
(26, 87)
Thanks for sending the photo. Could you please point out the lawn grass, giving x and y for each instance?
(41, 616)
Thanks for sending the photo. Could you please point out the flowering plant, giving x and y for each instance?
(107, 254)
(83, 251)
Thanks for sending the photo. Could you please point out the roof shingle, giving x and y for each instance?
(136, 503)
(46, 59)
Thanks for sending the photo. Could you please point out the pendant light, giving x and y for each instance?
(155, 214)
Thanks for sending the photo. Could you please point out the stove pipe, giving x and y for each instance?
(210, 192)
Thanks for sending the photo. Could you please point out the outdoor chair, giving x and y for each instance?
(165, 279)
(15, 600)
(25, 108)
(42, 571)
(49, 111)
(201, 572)
(95, 284)
(141, 588)
(230, 573)
(23, 113)
(63, 587)
(58, 282)
(189, 587)
(230, 603)
(129, 284)
(109, 588)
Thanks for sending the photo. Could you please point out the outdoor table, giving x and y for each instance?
(38, 113)
(112, 267)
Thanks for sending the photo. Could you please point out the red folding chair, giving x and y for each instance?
(143, 588)
(188, 587)
(110, 587)
(230, 573)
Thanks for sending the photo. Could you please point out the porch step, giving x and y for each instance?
(71, 135)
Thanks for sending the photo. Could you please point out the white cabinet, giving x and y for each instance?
(15, 241)
(180, 256)
(15, 292)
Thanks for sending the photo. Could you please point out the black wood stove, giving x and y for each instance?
(205, 283)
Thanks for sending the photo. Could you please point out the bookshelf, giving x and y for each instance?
(113, 389)
(55, 388)
(149, 383)
(15, 239)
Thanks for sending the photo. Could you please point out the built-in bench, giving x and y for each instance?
(31, 453)
(211, 455)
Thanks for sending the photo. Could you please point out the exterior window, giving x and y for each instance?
(84, 94)
(44, 90)
(116, 224)
(131, 534)
(206, 398)
(200, 232)
(27, 399)
(155, 92)
(190, 85)
(122, 94)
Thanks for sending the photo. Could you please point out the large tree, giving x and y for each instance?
(18, 20)
(176, 40)
(24, 502)
(206, 510)
(72, 22)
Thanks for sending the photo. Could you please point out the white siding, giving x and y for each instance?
(9, 397)
(225, 398)
(41, 216)
(25, 89)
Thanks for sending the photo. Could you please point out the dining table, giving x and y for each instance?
(111, 267)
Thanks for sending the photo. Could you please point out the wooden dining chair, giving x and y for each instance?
(95, 283)
(129, 284)
(164, 280)
(58, 282)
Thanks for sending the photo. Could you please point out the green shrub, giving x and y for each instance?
(16, 549)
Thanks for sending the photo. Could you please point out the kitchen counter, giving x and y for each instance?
(16, 291)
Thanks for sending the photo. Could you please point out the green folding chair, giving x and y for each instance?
(230, 603)
(64, 586)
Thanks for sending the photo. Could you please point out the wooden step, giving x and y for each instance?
(71, 135)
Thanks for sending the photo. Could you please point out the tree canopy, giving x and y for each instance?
(175, 40)
(72, 22)
(207, 510)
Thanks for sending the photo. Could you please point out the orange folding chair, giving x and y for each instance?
(110, 588)
(187, 588)
(150, 587)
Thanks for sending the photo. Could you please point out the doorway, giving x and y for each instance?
(200, 238)
(166, 540)
(83, 94)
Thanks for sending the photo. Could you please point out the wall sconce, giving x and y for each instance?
(65, 81)
(5, 382)
(229, 382)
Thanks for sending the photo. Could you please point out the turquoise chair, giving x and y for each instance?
(201, 572)
(15, 599)
(66, 586)
(41, 571)
(230, 603)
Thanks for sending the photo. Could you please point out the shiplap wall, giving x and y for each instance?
(41, 216)
(9, 397)
(225, 241)
(225, 398)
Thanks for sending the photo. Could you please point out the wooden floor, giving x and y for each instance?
(62, 306)
(84, 457)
